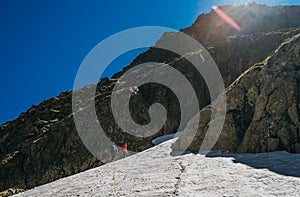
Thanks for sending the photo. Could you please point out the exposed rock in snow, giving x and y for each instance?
(155, 172)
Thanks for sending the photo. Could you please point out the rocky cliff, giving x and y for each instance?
(253, 18)
(263, 107)
(42, 144)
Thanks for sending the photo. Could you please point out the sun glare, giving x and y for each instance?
(226, 18)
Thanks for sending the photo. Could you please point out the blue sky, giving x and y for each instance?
(42, 43)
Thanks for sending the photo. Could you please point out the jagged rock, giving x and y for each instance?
(10, 191)
(263, 107)
(42, 144)
(210, 28)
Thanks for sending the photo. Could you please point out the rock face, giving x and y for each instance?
(209, 28)
(43, 145)
(263, 107)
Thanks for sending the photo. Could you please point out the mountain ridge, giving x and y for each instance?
(42, 144)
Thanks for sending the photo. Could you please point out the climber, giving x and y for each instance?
(115, 150)
(125, 150)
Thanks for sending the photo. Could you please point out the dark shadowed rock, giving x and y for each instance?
(252, 18)
(263, 107)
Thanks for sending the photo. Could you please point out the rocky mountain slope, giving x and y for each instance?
(263, 107)
(42, 144)
(253, 18)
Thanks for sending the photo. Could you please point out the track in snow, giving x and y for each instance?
(155, 172)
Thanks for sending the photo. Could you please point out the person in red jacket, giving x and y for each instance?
(125, 150)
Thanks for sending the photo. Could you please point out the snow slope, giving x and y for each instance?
(155, 172)
(164, 138)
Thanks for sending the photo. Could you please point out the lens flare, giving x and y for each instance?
(226, 18)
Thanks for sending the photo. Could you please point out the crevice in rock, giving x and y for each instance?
(243, 118)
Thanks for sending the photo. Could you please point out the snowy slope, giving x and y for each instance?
(164, 138)
(155, 172)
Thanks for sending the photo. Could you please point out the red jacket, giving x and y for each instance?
(124, 148)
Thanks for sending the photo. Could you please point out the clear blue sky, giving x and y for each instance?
(42, 43)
